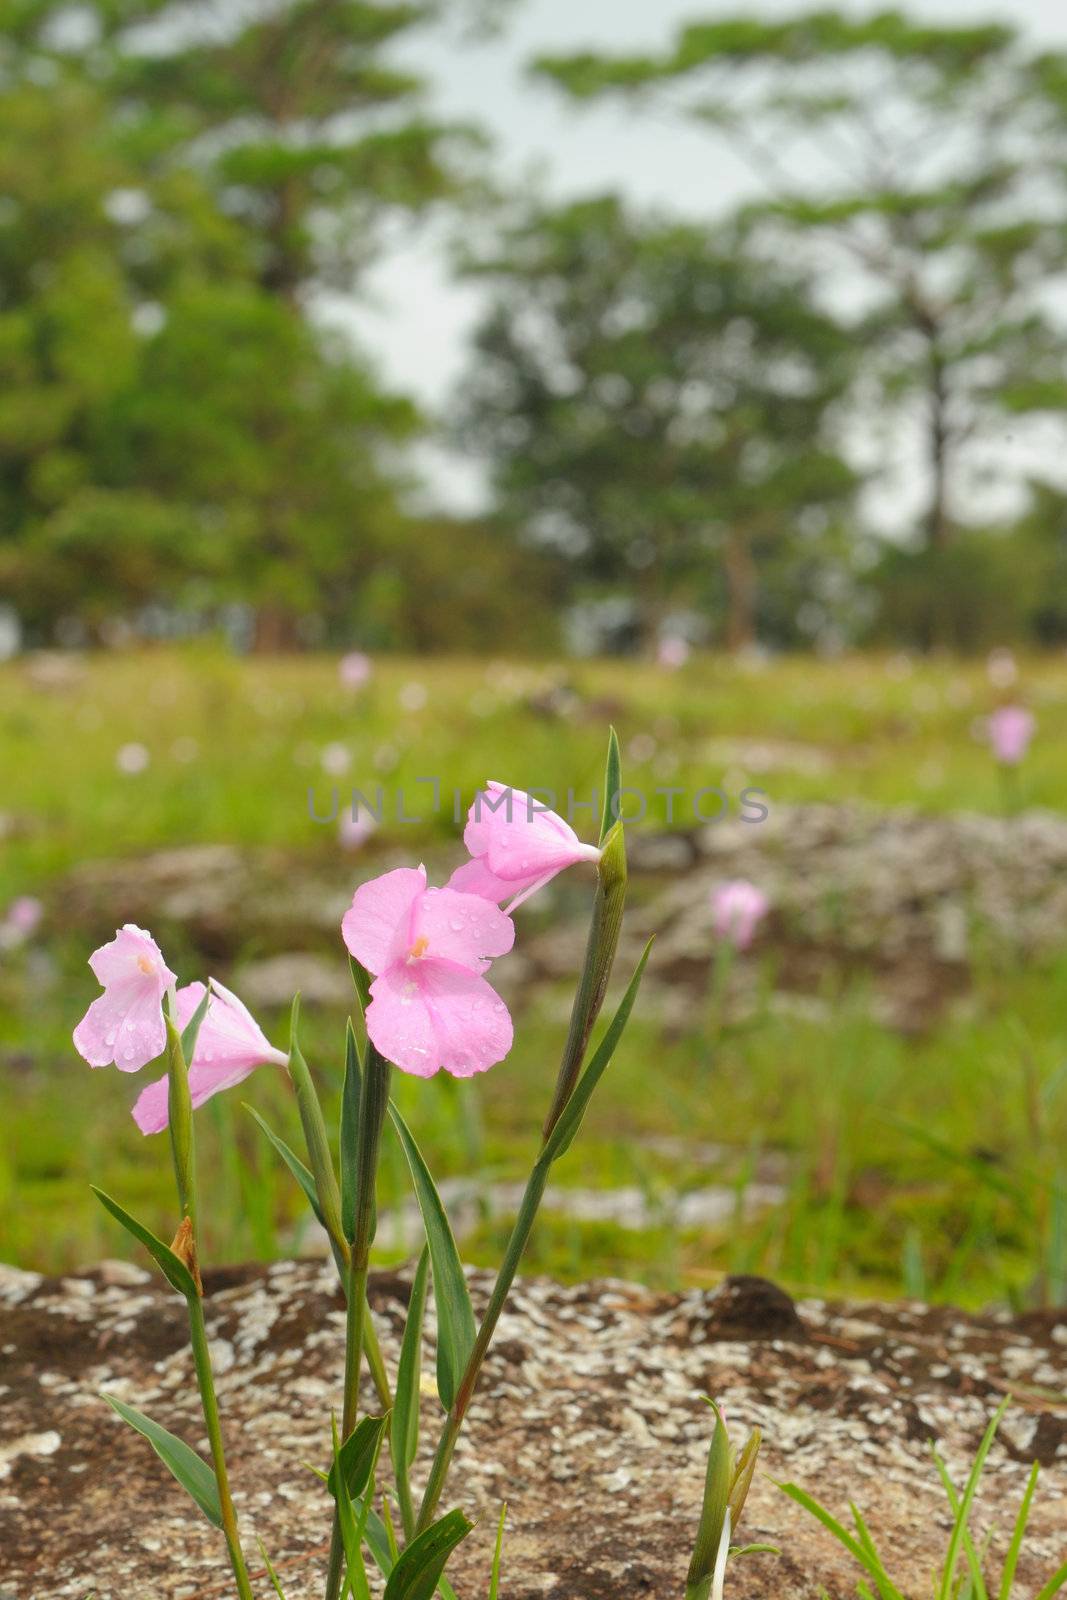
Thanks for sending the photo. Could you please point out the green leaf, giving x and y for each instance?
(563, 1134)
(416, 1574)
(300, 1172)
(191, 1031)
(456, 1330)
(357, 1456)
(346, 1517)
(1057, 1582)
(351, 1099)
(314, 1125)
(404, 1434)
(612, 785)
(174, 1270)
(870, 1564)
(191, 1470)
(271, 1574)
(974, 1585)
(361, 979)
(1011, 1560)
(303, 1176)
(377, 1536)
(494, 1577)
(717, 1480)
(949, 1571)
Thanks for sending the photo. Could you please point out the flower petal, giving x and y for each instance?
(428, 1015)
(377, 926)
(124, 1025)
(464, 928)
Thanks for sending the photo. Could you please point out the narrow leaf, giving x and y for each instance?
(842, 1535)
(350, 1116)
(404, 1433)
(612, 785)
(563, 1134)
(456, 1330)
(307, 1183)
(494, 1577)
(416, 1574)
(314, 1125)
(174, 1270)
(357, 1456)
(346, 1518)
(191, 1470)
(1011, 1560)
(949, 1572)
(191, 1031)
(271, 1574)
(1057, 1582)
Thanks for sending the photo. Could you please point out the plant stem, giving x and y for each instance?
(520, 1237)
(374, 1100)
(592, 984)
(183, 1150)
(206, 1383)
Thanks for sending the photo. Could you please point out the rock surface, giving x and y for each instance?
(588, 1421)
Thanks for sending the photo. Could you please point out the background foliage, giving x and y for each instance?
(685, 419)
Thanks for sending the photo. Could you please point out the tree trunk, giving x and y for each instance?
(938, 525)
(740, 590)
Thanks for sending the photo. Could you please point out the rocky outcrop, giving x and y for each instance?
(588, 1422)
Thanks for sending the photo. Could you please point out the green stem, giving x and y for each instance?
(183, 1150)
(374, 1100)
(596, 970)
(206, 1383)
(519, 1239)
(599, 959)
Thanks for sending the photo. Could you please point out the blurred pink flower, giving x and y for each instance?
(428, 948)
(354, 831)
(124, 1025)
(354, 669)
(517, 845)
(737, 909)
(1010, 730)
(672, 652)
(24, 915)
(229, 1046)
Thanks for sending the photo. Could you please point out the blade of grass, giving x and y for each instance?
(1011, 1560)
(949, 1572)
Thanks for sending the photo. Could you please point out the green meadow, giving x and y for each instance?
(923, 1161)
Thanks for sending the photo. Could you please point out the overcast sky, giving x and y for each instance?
(419, 323)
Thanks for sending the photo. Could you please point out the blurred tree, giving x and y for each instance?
(168, 430)
(295, 113)
(924, 160)
(654, 404)
(276, 450)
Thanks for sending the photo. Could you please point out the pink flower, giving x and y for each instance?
(430, 1005)
(1010, 730)
(738, 908)
(673, 652)
(124, 1025)
(354, 669)
(229, 1046)
(354, 831)
(24, 916)
(517, 845)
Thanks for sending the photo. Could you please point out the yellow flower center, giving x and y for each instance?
(147, 965)
(420, 946)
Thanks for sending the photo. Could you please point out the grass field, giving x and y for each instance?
(929, 1165)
